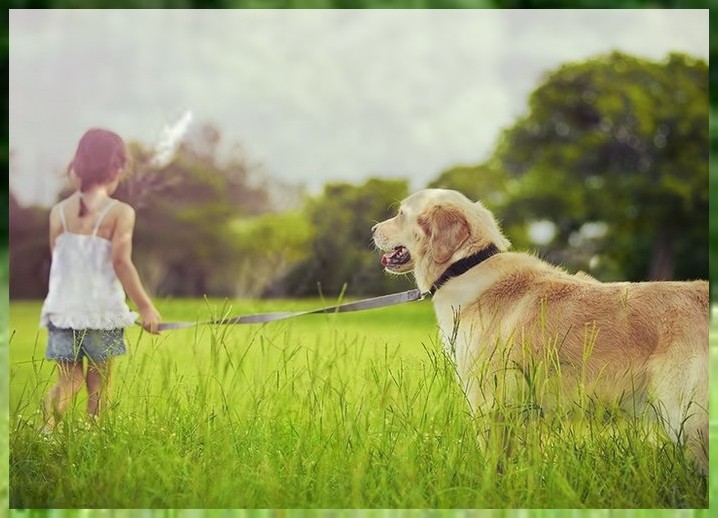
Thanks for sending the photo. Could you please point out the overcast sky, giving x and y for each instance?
(312, 95)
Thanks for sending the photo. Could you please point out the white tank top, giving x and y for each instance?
(84, 291)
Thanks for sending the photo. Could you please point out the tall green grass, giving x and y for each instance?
(341, 411)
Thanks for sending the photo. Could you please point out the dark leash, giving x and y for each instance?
(260, 318)
(458, 268)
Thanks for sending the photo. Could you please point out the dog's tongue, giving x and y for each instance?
(397, 256)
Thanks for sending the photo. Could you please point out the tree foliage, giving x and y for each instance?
(29, 251)
(479, 182)
(624, 141)
(612, 156)
(270, 245)
(341, 254)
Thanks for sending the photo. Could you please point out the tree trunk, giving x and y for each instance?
(662, 260)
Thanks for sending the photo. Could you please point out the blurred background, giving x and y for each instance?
(585, 131)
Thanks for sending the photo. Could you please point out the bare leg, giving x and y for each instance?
(69, 383)
(98, 384)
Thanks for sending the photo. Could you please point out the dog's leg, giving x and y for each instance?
(681, 405)
(697, 435)
(490, 394)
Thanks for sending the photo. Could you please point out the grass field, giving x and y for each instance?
(330, 411)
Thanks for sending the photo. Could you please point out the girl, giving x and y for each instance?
(90, 276)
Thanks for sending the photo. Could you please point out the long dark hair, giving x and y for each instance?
(100, 156)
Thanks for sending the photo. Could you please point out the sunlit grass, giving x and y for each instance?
(340, 411)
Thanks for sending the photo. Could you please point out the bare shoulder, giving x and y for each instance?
(124, 212)
(123, 207)
(121, 221)
(55, 209)
(55, 220)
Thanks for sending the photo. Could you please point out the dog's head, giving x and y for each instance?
(433, 229)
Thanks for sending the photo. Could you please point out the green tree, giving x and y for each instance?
(624, 141)
(29, 249)
(478, 182)
(270, 245)
(341, 253)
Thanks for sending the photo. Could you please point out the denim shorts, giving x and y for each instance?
(98, 345)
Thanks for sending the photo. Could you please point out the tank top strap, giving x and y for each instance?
(62, 216)
(102, 215)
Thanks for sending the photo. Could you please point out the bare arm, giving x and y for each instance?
(126, 271)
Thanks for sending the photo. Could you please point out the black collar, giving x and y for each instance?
(464, 265)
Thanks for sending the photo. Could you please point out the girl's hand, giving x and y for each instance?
(150, 318)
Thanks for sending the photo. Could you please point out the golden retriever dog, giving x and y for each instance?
(641, 346)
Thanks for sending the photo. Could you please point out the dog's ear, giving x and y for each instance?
(447, 229)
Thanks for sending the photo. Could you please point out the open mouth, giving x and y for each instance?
(397, 259)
